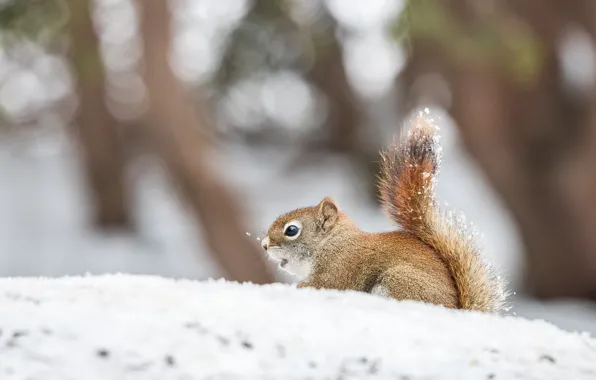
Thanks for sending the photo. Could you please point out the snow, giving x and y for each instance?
(144, 327)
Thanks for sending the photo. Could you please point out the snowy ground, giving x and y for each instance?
(154, 328)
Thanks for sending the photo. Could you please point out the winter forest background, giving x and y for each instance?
(283, 103)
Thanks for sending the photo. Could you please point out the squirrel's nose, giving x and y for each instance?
(265, 243)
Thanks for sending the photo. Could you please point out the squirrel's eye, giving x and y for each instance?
(291, 231)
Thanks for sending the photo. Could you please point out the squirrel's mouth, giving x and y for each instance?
(283, 262)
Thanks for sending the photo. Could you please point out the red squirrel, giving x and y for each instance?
(431, 259)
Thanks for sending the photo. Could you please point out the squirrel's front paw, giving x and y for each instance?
(303, 284)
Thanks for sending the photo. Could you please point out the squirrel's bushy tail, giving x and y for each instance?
(408, 175)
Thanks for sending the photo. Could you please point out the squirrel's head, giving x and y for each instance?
(293, 237)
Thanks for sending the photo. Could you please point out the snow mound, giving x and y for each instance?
(140, 327)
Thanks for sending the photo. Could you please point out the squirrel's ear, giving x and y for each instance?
(327, 213)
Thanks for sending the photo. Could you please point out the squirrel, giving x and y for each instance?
(431, 259)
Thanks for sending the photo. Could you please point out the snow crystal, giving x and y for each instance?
(140, 327)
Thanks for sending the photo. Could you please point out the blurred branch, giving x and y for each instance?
(95, 127)
(535, 141)
(178, 133)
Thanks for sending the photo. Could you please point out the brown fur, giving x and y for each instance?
(431, 260)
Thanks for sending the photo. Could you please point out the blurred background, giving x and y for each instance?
(134, 139)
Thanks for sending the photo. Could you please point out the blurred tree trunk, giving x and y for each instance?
(178, 134)
(95, 127)
(533, 137)
(329, 75)
(345, 117)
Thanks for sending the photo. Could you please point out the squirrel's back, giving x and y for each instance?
(408, 176)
